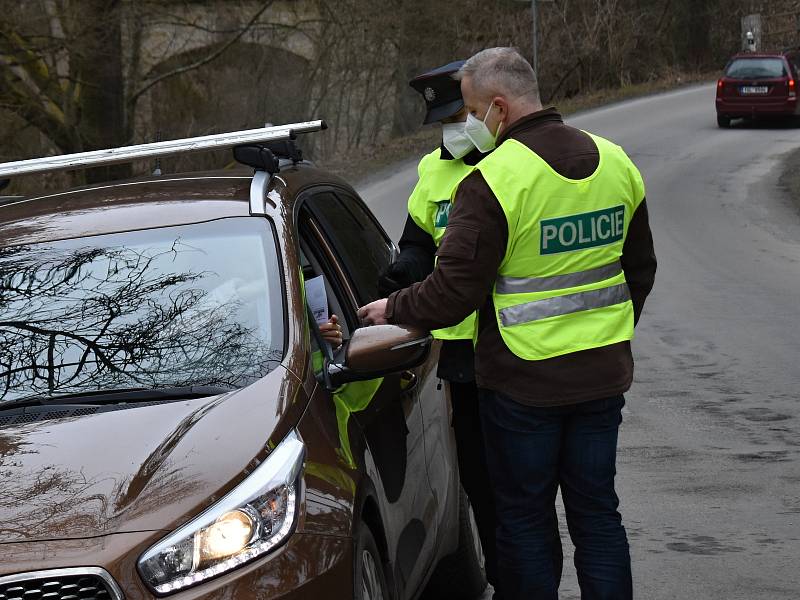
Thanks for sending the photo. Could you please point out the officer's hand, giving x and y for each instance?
(392, 279)
(373, 313)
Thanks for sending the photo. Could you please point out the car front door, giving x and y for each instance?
(355, 249)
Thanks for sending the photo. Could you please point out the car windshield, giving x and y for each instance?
(194, 305)
(756, 68)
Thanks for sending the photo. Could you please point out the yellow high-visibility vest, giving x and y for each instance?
(429, 205)
(561, 287)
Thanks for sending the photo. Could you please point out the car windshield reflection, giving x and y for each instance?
(195, 305)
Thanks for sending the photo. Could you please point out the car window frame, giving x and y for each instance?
(331, 267)
(340, 192)
(281, 258)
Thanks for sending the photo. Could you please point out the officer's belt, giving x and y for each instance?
(523, 285)
(564, 305)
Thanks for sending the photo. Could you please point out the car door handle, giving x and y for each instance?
(408, 382)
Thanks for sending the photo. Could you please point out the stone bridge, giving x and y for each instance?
(262, 76)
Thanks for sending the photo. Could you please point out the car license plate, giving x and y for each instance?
(754, 89)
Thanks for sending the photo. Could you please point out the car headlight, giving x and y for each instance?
(247, 522)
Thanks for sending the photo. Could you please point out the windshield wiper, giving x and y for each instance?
(127, 395)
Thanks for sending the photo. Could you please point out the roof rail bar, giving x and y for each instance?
(216, 141)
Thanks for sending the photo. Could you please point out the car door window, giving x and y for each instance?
(342, 241)
(319, 258)
(363, 247)
(312, 267)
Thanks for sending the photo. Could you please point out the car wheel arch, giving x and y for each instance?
(367, 513)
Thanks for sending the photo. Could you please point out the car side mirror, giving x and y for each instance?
(379, 350)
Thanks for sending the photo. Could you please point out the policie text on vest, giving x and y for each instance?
(585, 230)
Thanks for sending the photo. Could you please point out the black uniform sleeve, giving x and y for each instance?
(416, 260)
(472, 249)
(639, 259)
(417, 251)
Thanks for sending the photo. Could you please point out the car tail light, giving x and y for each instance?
(720, 85)
(792, 90)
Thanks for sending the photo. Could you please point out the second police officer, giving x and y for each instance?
(429, 206)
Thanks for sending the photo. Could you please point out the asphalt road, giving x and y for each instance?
(709, 458)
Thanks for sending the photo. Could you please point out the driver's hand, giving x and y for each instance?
(332, 332)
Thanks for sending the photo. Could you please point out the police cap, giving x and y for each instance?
(442, 93)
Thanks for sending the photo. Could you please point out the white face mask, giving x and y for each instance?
(455, 140)
(479, 133)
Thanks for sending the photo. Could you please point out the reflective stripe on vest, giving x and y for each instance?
(522, 285)
(564, 305)
(429, 206)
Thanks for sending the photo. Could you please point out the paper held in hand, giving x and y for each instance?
(317, 299)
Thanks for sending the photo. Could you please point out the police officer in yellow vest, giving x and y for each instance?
(549, 238)
(428, 210)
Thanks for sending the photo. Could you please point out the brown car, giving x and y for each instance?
(172, 423)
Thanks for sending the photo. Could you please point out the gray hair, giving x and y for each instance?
(501, 71)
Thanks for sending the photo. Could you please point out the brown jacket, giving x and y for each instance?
(471, 252)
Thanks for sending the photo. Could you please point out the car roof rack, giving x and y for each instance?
(263, 165)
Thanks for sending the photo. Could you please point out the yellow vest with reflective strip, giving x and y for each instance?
(429, 205)
(560, 288)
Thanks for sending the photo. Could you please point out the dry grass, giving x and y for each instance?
(364, 164)
(668, 81)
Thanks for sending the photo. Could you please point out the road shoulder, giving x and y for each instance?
(789, 180)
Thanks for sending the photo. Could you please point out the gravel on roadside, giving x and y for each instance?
(789, 180)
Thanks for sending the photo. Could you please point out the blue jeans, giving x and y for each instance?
(530, 452)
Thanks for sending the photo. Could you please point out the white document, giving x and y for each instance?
(317, 299)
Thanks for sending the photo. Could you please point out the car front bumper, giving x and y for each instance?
(307, 567)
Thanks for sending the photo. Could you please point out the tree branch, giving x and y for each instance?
(203, 61)
(96, 349)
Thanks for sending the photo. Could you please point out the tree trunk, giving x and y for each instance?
(692, 33)
(98, 63)
(425, 39)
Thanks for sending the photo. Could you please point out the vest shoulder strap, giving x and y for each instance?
(620, 158)
(427, 160)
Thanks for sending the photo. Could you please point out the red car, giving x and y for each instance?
(759, 85)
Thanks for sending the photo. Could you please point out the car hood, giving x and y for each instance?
(143, 468)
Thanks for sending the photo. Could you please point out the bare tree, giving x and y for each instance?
(77, 75)
(73, 69)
